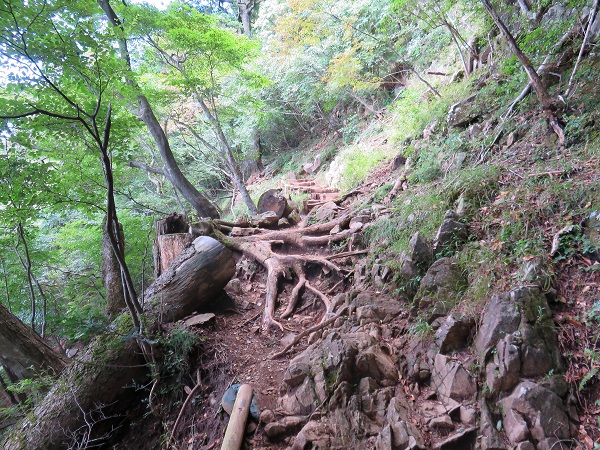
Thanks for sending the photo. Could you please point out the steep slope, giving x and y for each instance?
(469, 315)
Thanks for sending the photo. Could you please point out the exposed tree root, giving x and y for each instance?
(259, 247)
(295, 296)
(185, 403)
(323, 298)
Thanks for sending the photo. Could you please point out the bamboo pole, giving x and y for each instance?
(234, 435)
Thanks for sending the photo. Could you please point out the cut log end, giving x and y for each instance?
(272, 200)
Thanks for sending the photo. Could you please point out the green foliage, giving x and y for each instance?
(412, 211)
(593, 360)
(421, 329)
(413, 111)
(572, 243)
(175, 365)
(481, 267)
(478, 185)
(594, 313)
(32, 390)
(381, 192)
(355, 164)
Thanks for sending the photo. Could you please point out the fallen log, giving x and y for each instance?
(103, 377)
(23, 353)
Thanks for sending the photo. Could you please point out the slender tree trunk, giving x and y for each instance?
(22, 352)
(257, 148)
(244, 11)
(201, 204)
(591, 20)
(524, 7)
(548, 104)
(26, 263)
(112, 226)
(6, 290)
(111, 273)
(232, 164)
(144, 112)
(458, 48)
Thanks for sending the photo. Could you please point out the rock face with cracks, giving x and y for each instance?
(347, 390)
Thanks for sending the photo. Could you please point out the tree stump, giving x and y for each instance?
(172, 236)
(272, 200)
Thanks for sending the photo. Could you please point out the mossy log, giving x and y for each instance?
(23, 353)
(102, 379)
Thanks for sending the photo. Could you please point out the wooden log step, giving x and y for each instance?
(326, 196)
(301, 182)
(311, 189)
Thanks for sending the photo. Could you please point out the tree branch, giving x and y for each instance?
(147, 168)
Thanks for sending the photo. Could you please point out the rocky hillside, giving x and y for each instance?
(471, 320)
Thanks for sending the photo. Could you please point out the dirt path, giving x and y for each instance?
(236, 350)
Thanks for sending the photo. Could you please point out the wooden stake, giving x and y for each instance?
(234, 435)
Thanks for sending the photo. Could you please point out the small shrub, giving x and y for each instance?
(177, 347)
(421, 329)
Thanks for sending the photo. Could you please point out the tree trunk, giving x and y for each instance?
(548, 104)
(111, 274)
(26, 263)
(232, 164)
(201, 204)
(22, 352)
(244, 10)
(144, 112)
(103, 376)
(257, 147)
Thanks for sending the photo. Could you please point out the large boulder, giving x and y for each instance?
(463, 113)
(451, 381)
(504, 372)
(420, 251)
(454, 333)
(534, 413)
(518, 327)
(451, 235)
(376, 308)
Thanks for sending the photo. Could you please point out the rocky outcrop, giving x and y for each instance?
(517, 338)
(451, 234)
(463, 113)
(537, 415)
(440, 289)
(455, 389)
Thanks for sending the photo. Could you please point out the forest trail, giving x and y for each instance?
(318, 193)
(236, 349)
